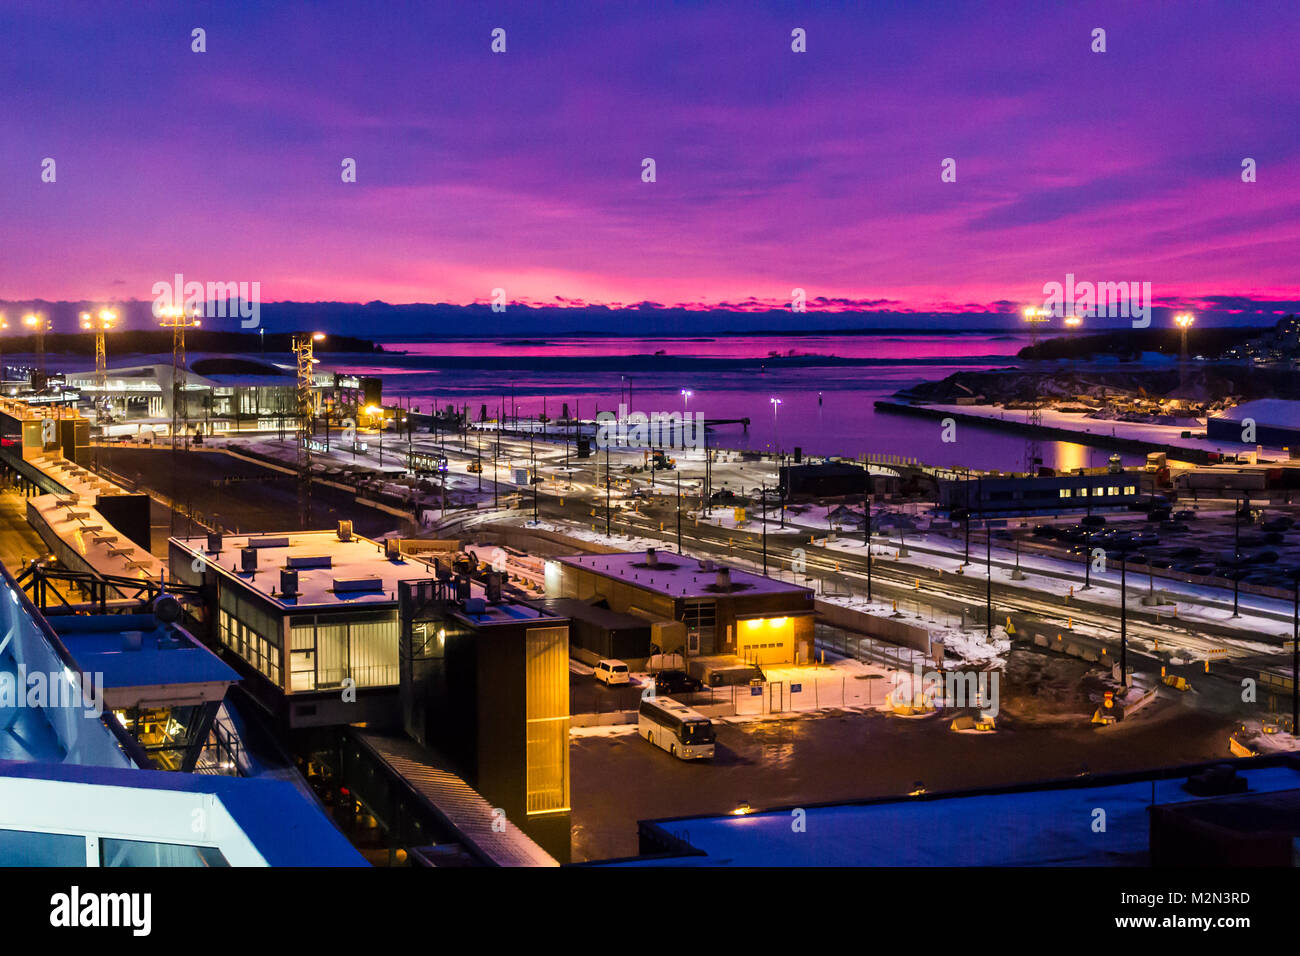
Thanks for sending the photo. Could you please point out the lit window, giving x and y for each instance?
(1112, 490)
(1130, 489)
(1066, 493)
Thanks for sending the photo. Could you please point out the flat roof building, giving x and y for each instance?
(724, 610)
(1271, 422)
(309, 614)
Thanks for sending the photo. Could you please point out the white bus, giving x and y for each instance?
(675, 728)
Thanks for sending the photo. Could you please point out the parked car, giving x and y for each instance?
(1186, 514)
(1280, 523)
(612, 672)
(675, 682)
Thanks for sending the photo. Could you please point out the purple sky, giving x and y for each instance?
(775, 169)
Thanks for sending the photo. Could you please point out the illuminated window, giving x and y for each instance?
(547, 714)
(1066, 493)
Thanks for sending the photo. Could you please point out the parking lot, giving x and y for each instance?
(620, 779)
(1260, 547)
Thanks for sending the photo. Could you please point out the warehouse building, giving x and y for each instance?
(1271, 422)
(995, 497)
(722, 610)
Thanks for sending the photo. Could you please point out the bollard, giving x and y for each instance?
(1069, 624)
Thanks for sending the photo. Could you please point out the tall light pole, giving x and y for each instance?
(763, 519)
(866, 527)
(1236, 557)
(686, 403)
(303, 349)
(988, 582)
(99, 324)
(3, 325)
(38, 323)
(1184, 322)
(776, 434)
(1034, 415)
(174, 318)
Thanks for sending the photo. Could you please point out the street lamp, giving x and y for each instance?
(1184, 322)
(38, 324)
(776, 439)
(686, 402)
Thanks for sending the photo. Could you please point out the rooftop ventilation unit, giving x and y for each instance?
(357, 585)
(723, 579)
(475, 606)
(214, 542)
(706, 564)
(463, 590)
(651, 558)
(248, 560)
(493, 587)
(288, 582)
(305, 562)
(345, 530)
(268, 542)
(393, 549)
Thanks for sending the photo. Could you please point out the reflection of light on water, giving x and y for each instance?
(1070, 456)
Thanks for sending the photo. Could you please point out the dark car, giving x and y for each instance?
(1092, 521)
(1161, 563)
(1262, 557)
(1045, 531)
(1191, 551)
(675, 682)
(1280, 523)
(1175, 526)
(1158, 514)
(1184, 515)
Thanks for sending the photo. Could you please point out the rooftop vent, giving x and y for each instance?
(706, 564)
(475, 606)
(305, 562)
(248, 559)
(268, 542)
(288, 582)
(357, 585)
(345, 530)
(214, 542)
(493, 587)
(651, 558)
(393, 549)
(723, 580)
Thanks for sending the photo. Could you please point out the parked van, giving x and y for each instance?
(612, 672)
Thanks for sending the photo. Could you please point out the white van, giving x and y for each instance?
(612, 672)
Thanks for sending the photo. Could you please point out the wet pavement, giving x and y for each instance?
(619, 780)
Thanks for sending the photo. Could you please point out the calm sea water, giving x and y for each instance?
(826, 386)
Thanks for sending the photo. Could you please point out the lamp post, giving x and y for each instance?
(679, 511)
(3, 325)
(686, 402)
(1123, 619)
(1295, 658)
(1236, 558)
(1184, 322)
(776, 434)
(988, 582)
(763, 519)
(38, 323)
(866, 526)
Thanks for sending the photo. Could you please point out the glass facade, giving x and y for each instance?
(547, 715)
(325, 649)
